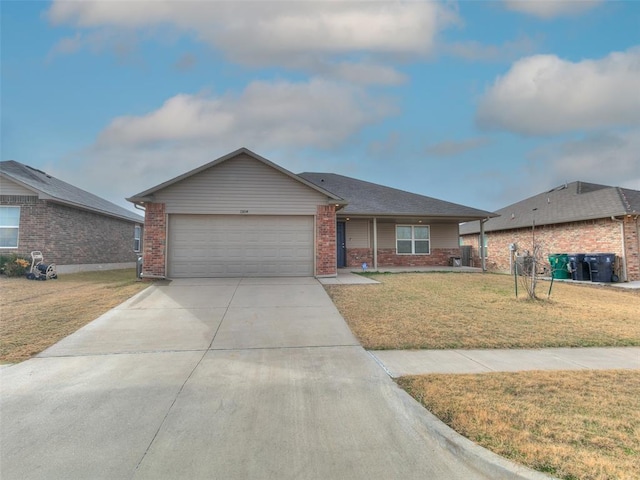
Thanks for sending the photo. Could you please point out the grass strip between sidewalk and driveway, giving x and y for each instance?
(572, 425)
(35, 314)
(471, 310)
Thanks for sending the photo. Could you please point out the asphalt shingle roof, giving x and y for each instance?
(365, 198)
(62, 192)
(572, 202)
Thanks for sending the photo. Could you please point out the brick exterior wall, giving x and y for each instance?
(590, 236)
(326, 253)
(70, 236)
(155, 240)
(632, 244)
(355, 257)
(387, 257)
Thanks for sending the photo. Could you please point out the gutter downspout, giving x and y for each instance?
(624, 248)
(375, 243)
(482, 252)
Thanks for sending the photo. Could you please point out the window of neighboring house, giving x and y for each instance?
(413, 240)
(136, 238)
(9, 226)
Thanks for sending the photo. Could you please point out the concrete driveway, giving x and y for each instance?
(222, 378)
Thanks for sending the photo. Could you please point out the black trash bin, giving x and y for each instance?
(601, 266)
(578, 267)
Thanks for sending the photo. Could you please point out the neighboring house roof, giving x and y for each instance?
(50, 188)
(571, 202)
(147, 195)
(365, 198)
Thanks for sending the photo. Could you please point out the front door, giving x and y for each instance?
(341, 245)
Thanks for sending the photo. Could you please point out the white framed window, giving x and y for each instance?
(9, 226)
(413, 240)
(137, 230)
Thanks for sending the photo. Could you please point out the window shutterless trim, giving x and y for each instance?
(12, 227)
(413, 240)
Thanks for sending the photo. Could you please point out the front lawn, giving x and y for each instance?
(573, 425)
(468, 310)
(37, 314)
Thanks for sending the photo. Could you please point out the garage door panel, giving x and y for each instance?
(227, 245)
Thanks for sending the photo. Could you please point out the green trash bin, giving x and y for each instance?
(559, 265)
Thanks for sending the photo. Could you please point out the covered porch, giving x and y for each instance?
(398, 243)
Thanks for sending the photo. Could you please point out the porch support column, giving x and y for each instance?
(375, 243)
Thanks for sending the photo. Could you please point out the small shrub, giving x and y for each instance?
(13, 265)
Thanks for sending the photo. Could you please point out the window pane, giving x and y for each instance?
(422, 246)
(421, 232)
(8, 237)
(404, 246)
(403, 233)
(9, 216)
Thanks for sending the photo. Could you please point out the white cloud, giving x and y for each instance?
(476, 51)
(609, 158)
(317, 113)
(547, 9)
(450, 148)
(366, 74)
(122, 44)
(186, 62)
(275, 32)
(544, 94)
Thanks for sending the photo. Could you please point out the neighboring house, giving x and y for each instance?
(242, 215)
(72, 228)
(578, 217)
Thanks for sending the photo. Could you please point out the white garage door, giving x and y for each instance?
(236, 246)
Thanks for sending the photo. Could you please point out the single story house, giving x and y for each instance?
(242, 215)
(72, 228)
(578, 217)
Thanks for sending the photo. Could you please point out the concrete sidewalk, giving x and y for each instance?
(416, 362)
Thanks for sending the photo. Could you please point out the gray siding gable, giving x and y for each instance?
(241, 185)
(150, 194)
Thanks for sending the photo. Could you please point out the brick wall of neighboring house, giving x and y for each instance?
(589, 236)
(632, 245)
(387, 257)
(326, 254)
(31, 234)
(155, 240)
(70, 236)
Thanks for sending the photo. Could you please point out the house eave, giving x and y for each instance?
(489, 229)
(386, 215)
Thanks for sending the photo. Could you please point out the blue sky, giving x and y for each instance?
(481, 103)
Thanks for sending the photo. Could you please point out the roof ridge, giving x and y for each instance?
(625, 201)
(25, 169)
(377, 185)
